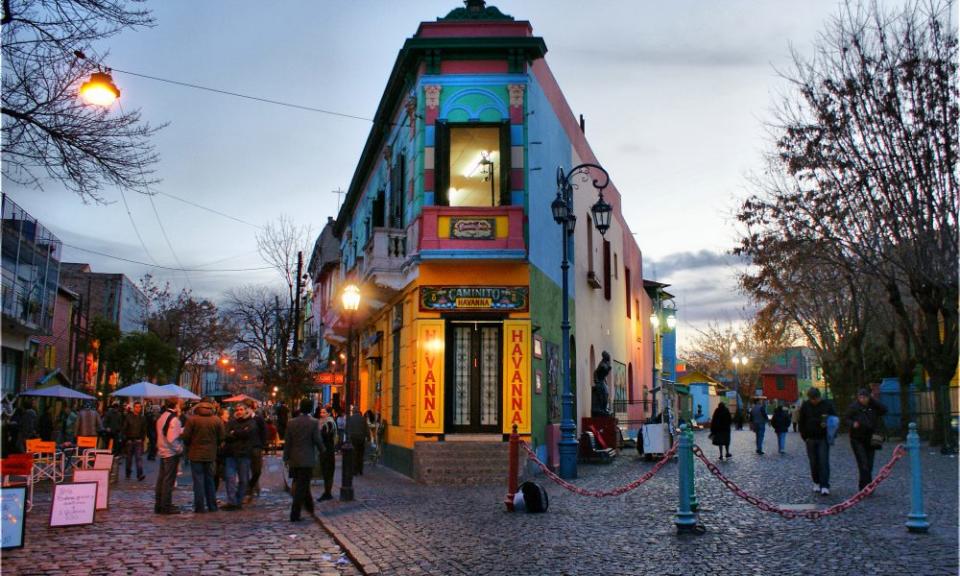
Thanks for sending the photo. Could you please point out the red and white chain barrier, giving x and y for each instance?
(898, 453)
(667, 456)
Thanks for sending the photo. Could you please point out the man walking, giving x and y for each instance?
(813, 430)
(241, 431)
(203, 435)
(357, 432)
(758, 423)
(88, 421)
(864, 417)
(112, 422)
(170, 449)
(300, 445)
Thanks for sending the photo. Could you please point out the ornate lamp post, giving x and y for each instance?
(351, 302)
(739, 361)
(562, 208)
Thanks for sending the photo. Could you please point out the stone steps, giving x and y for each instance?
(467, 463)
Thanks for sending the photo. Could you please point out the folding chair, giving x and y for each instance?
(47, 462)
(85, 452)
(17, 469)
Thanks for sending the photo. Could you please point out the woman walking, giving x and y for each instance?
(720, 429)
(864, 418)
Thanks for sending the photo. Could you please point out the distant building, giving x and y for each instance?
(62, 356)
(111, 296)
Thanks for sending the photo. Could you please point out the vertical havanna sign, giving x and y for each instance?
(516, 376)
(430, 341)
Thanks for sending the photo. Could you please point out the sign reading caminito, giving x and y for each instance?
(475, 298)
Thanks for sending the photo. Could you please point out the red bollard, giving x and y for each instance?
(512, 474)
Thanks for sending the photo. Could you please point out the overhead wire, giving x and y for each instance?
(135, 229)
(212, 210)
(158, 266)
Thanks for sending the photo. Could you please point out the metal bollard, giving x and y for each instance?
(685, 519)
(917, 519)
(512, 474)
(691, 476)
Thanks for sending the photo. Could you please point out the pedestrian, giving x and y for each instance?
(738, 418)
(203, 435)
(68, 425)
(794, 416)
(221, 467)
(170, 449)
(26, 419)
(238, 445)
(256, 451)
(758, 423)
(112, 422)
(88, 421)
(45, 425)
(328, 435)
(864, 417)
(357, 431)
(781, 425)
(813, 429)
(720, 429)
(134, 432)
(300, 445)
(341, 420)
(152, 414)
(283, 416)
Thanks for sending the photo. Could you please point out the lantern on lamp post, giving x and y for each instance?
(350, 299)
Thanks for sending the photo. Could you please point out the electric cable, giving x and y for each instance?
(135, 229)
(212, 210)
(158, 266)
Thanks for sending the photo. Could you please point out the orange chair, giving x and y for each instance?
(17, 469)
(48, 462)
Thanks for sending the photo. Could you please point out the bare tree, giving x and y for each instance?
(279, 243)
(47, 130)
(261, 325)
(866, 159)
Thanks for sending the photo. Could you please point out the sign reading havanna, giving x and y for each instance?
(474, 298)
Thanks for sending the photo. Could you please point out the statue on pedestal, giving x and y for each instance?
(600, 405)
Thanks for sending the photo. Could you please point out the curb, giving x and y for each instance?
(354, 553)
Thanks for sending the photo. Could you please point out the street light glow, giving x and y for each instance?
(655, 320)
(99, 90)
(351, 297)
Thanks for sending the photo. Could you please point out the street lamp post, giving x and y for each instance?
(351, 302)
(563, 214)
(737, 362)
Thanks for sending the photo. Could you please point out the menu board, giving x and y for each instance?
(13, 501)
(102, 461)
(73, 504)
(102, 478)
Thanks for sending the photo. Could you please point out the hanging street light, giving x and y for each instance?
(100, 90)
(563, 214)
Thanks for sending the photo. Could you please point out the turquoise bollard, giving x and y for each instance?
(685, 519)
(691, 476)
(917, 519)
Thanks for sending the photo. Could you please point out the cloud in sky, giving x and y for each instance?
(692, 260)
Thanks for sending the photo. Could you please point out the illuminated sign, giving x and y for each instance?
(321, 378)
(516, 381)
(474, 298)
(473, 228)
(429, 377)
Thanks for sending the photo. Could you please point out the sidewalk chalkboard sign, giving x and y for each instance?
(73, 504)
(102, 478)
(13, 502)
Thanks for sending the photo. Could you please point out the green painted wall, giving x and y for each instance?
(546, 313)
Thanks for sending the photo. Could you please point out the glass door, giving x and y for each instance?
(474, 381)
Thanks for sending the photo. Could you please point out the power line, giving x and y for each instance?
(166, 267)
(212, 210)
(135, 229)
(246, 96)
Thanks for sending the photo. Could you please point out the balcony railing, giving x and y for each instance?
(448, 232)
(384, 254)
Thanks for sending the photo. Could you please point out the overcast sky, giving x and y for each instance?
(675, 96)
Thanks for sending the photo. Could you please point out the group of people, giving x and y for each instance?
(220, 445)
(814, 421)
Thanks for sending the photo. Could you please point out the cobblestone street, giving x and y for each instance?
(399, 527)
(129, 539)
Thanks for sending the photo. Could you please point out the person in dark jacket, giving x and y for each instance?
(720, 429)
(112, 423)
(203, 434)
(256, 451)
(357, 432)
(300, 445)
(134, 432)
(864, 419)
(781, 425)
(238, 447)
(26, 422)
(759, 423)
(328, 434)
(813, 429)
(152, 413)
(45, 425)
